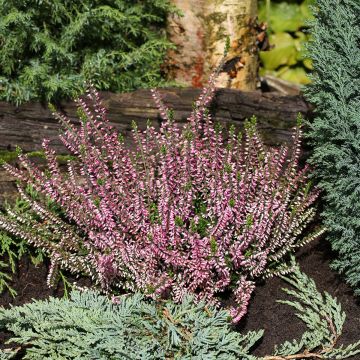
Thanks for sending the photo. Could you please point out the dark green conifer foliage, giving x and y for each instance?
(335, 132)
(48, 48)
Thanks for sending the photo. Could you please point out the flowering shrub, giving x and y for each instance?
(186, 211)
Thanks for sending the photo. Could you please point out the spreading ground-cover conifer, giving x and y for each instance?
(184, 212)
(90, 326)
(48, 48)
(335, 132)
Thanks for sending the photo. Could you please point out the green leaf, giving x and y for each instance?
(308, 63)
(283, 53)
(296, 75)
(305, 9)
(286, 17)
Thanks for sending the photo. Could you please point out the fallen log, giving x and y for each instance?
(27, 125)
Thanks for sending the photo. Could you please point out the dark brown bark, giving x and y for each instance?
(27, 125)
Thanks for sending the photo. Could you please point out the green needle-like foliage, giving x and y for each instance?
(323, 317)
(49, 48)
(90, 326)
(335, 132)
(11, 250)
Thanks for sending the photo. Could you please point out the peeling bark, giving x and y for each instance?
(200, 37)
(186, 63)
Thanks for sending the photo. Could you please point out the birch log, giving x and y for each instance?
(200, 36)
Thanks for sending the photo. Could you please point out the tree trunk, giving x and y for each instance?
(200, 37)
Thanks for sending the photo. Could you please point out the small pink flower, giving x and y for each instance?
(182, 211)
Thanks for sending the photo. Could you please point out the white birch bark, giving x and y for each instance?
(200, 37)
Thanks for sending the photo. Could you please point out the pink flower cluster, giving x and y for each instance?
(186, 211)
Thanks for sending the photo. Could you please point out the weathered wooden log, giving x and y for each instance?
(27, 125)
(8, 190)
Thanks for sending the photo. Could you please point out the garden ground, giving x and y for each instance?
(278, 320)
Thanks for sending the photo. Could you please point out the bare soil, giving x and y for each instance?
(278, 320)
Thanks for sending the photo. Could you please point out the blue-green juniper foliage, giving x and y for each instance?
(90, 326)
(335, 132)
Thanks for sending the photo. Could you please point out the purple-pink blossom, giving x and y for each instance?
(185, 211)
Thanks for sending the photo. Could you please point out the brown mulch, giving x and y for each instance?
(278, 320)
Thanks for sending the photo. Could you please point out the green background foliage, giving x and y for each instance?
(49, 48)
(335, 132)
(287, 25)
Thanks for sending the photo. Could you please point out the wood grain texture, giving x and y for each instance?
(27, 125)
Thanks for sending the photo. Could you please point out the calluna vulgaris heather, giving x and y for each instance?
(185, 212)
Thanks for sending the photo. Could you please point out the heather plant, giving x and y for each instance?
(334, 132)
(12, 248)
(10, 252)
(91, 326)
(184, 212)
(48, 48)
